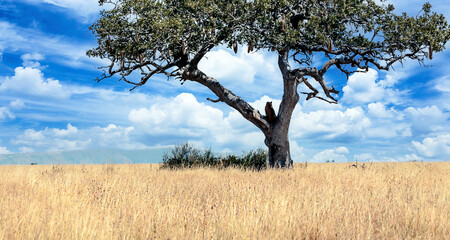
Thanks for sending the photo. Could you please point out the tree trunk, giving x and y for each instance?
(278, 150)
(277, 140)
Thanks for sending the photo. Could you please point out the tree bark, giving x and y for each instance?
(279, 153)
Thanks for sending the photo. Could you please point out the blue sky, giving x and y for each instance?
(49, 100)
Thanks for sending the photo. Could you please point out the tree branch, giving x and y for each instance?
(226, 96)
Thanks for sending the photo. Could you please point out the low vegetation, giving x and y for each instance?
(320, 201)
(187, 156)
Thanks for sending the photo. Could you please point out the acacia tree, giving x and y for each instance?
(171, 37)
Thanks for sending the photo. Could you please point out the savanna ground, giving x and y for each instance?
(320, 201)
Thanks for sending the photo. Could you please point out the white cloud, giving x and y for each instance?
(184, 116)
(434, 147)
(427, 119)
(3, 150)
(6, 113)
(443, 84)
(336, 155)
(18, 39)
(183, 112)
(329, 125)
(387, 123)
(17, 104)
(297, 152)
(83, 8)
(342, 150)
(30, 81)
(389, 131)
(31, 60)
(32, 57)
(365, 88)
(72, 138)
(31, 137)
(393, 77)
(71, 130)
(362, 88)
(240, 69)
(378, 110)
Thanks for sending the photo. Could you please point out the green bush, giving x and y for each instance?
(255, 160)
(187, 156)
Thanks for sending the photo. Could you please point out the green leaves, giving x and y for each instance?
(161, 32)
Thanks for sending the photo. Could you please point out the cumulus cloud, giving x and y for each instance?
(31, 81)
(365, 88)
(183, 112)
(184, 116)
(71, 130)
(379, 110)
(72, 138)
(427, 119)
(387, 123)
(31, 137)
(297, 152)
(330, 124)
(240, 71)
(434, 147)
(337, 155)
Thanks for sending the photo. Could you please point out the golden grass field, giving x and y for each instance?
(320, 201)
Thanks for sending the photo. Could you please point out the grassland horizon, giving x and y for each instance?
(141, 201)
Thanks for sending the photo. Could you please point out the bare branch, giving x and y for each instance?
(214, 101)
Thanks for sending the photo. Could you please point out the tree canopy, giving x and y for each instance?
(170, 37)
(160, 35)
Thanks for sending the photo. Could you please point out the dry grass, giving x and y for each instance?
(322, 201)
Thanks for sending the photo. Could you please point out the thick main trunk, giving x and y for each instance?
(278, 150)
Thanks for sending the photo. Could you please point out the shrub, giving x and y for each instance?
(187, 156)
(255, 160)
